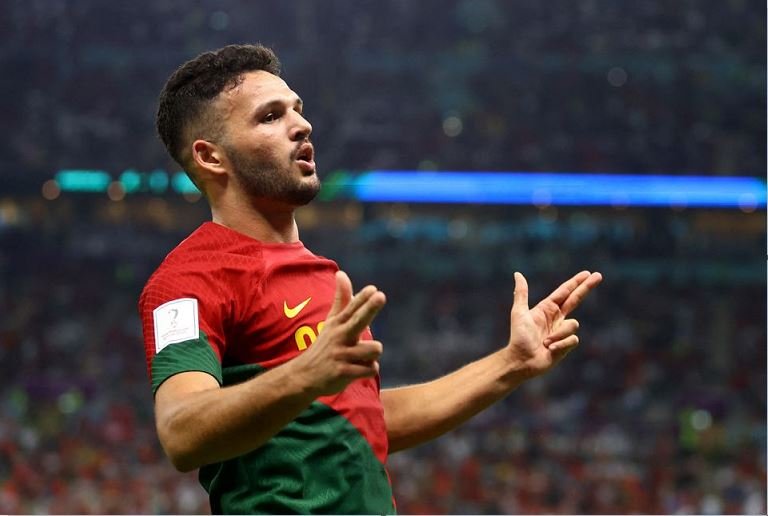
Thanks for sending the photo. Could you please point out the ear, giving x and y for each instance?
(209, 157)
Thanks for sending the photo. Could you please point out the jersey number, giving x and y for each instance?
(306, 336)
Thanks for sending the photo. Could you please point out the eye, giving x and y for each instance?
(269, 117)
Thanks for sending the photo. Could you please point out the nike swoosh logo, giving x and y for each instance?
(290, 313)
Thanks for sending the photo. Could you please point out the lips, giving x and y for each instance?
(305, 156)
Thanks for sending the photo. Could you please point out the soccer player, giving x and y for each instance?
(264, 371)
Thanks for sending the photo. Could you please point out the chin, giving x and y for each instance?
(304, 195)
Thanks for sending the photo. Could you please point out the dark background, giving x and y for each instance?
(662, 408)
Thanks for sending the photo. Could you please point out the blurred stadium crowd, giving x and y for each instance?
(662, 409)
(582, 85)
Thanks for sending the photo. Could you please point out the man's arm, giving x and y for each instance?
(539, 338)
(200, 423)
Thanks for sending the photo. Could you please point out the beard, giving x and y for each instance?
(264, 177)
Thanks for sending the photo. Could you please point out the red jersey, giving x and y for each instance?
(231, 306)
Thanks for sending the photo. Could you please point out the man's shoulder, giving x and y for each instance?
(204, 261)
(195, 253)
(211, 247)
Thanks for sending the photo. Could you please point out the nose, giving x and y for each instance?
(301, 128)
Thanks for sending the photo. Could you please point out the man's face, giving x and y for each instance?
(266, 139)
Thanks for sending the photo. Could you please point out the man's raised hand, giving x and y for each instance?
(338, 356)
(541, 336)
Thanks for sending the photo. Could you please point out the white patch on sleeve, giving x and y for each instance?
(176, 321)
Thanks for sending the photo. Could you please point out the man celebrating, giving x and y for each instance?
(263, 367)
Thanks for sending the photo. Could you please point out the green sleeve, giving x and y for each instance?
(190, 355)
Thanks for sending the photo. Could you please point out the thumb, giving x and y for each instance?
(343, 293)
(521, 293)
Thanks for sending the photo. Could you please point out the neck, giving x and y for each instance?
(265, 222)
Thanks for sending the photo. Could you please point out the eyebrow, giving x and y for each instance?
(270, 104)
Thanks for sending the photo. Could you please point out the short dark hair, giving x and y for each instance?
(187, 95)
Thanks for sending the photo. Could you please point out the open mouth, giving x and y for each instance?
(305, 152)
(305, 156)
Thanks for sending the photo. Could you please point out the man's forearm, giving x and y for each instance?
(419, 413)
(216, 424)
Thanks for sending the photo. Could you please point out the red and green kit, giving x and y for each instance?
(233, 307)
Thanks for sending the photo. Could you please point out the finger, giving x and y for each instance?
(366, 363)
(521, 293)
(357, 301)
(343, 293)
(363, 370)
(578, 295)
(363, 316)
(561, 347)
(561, 293)
(564, 329)
(365, 351)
